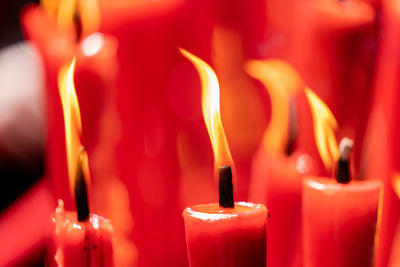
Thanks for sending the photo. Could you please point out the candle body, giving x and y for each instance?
(334, 48)
(339, 222)
(86, 244)
(277, 182)
(226, 237)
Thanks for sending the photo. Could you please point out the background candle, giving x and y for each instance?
(278, 166)
(339, 222)
(333, 46)
(380, 158)
(223, 237)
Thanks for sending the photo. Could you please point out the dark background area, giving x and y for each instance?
(16, 176)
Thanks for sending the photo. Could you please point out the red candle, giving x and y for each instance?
(224, 233)
(381, 159)
(333, 45)
(226, 237)
(83, 239)
(340, 216)
(82, 243)
(278, 166)
(339, 222)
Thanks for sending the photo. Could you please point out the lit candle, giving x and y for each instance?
(340, 217)
(83, 239)
(227, 233)
(278, 166)
(56, 37)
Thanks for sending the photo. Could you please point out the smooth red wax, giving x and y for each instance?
(86, 244)
(339, 222)
(226, 237)
(381, 158)
(277, 182)
(333, 46)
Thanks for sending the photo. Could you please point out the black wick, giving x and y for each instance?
(343, 174)
(81, 197)
(225, 187)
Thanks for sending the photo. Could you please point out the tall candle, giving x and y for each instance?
(380, 158)
(333, 45)
(278, 166)
(224, 233)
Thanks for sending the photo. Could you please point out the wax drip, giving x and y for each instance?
(81, 197)
(225, 187)
(343, 174)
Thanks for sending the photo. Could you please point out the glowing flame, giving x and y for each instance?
(65, 11)
(72, 122)
(280, 80)
(210, 101)
(325, 126)
(396, 183)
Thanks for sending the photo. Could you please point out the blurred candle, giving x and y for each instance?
(278, 166)
(226, 233)
(95, 72)
(333, 46)
(381, 159)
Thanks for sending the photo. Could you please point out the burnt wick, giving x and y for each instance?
(81, 197)
(225, 187)
(343, 174)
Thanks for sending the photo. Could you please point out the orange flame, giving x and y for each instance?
(210, 102)
(325, 126)
(65, 10)
(280, 80)
(396, 183)
(72, 122)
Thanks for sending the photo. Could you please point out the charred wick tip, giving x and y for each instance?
(78, 25)
(293, 126)
(225, 187)
(343, 174)
(81, 197)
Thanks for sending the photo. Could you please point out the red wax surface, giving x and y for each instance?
(339, 222)
(222, 237)
(277, 182)
(86, 244)
(382, 159)
(333, 46)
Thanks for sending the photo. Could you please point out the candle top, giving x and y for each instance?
(328, 184)
(213, 211)
(69, 221)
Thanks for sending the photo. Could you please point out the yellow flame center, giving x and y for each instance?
(280, 80)
(210, 102)
(65, 11)
(72, 119)
(325, 126)
(396, 183)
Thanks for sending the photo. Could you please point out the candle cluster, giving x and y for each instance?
(204, 132)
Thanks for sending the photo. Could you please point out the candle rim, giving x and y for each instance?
(321, 183)
(241, 208)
